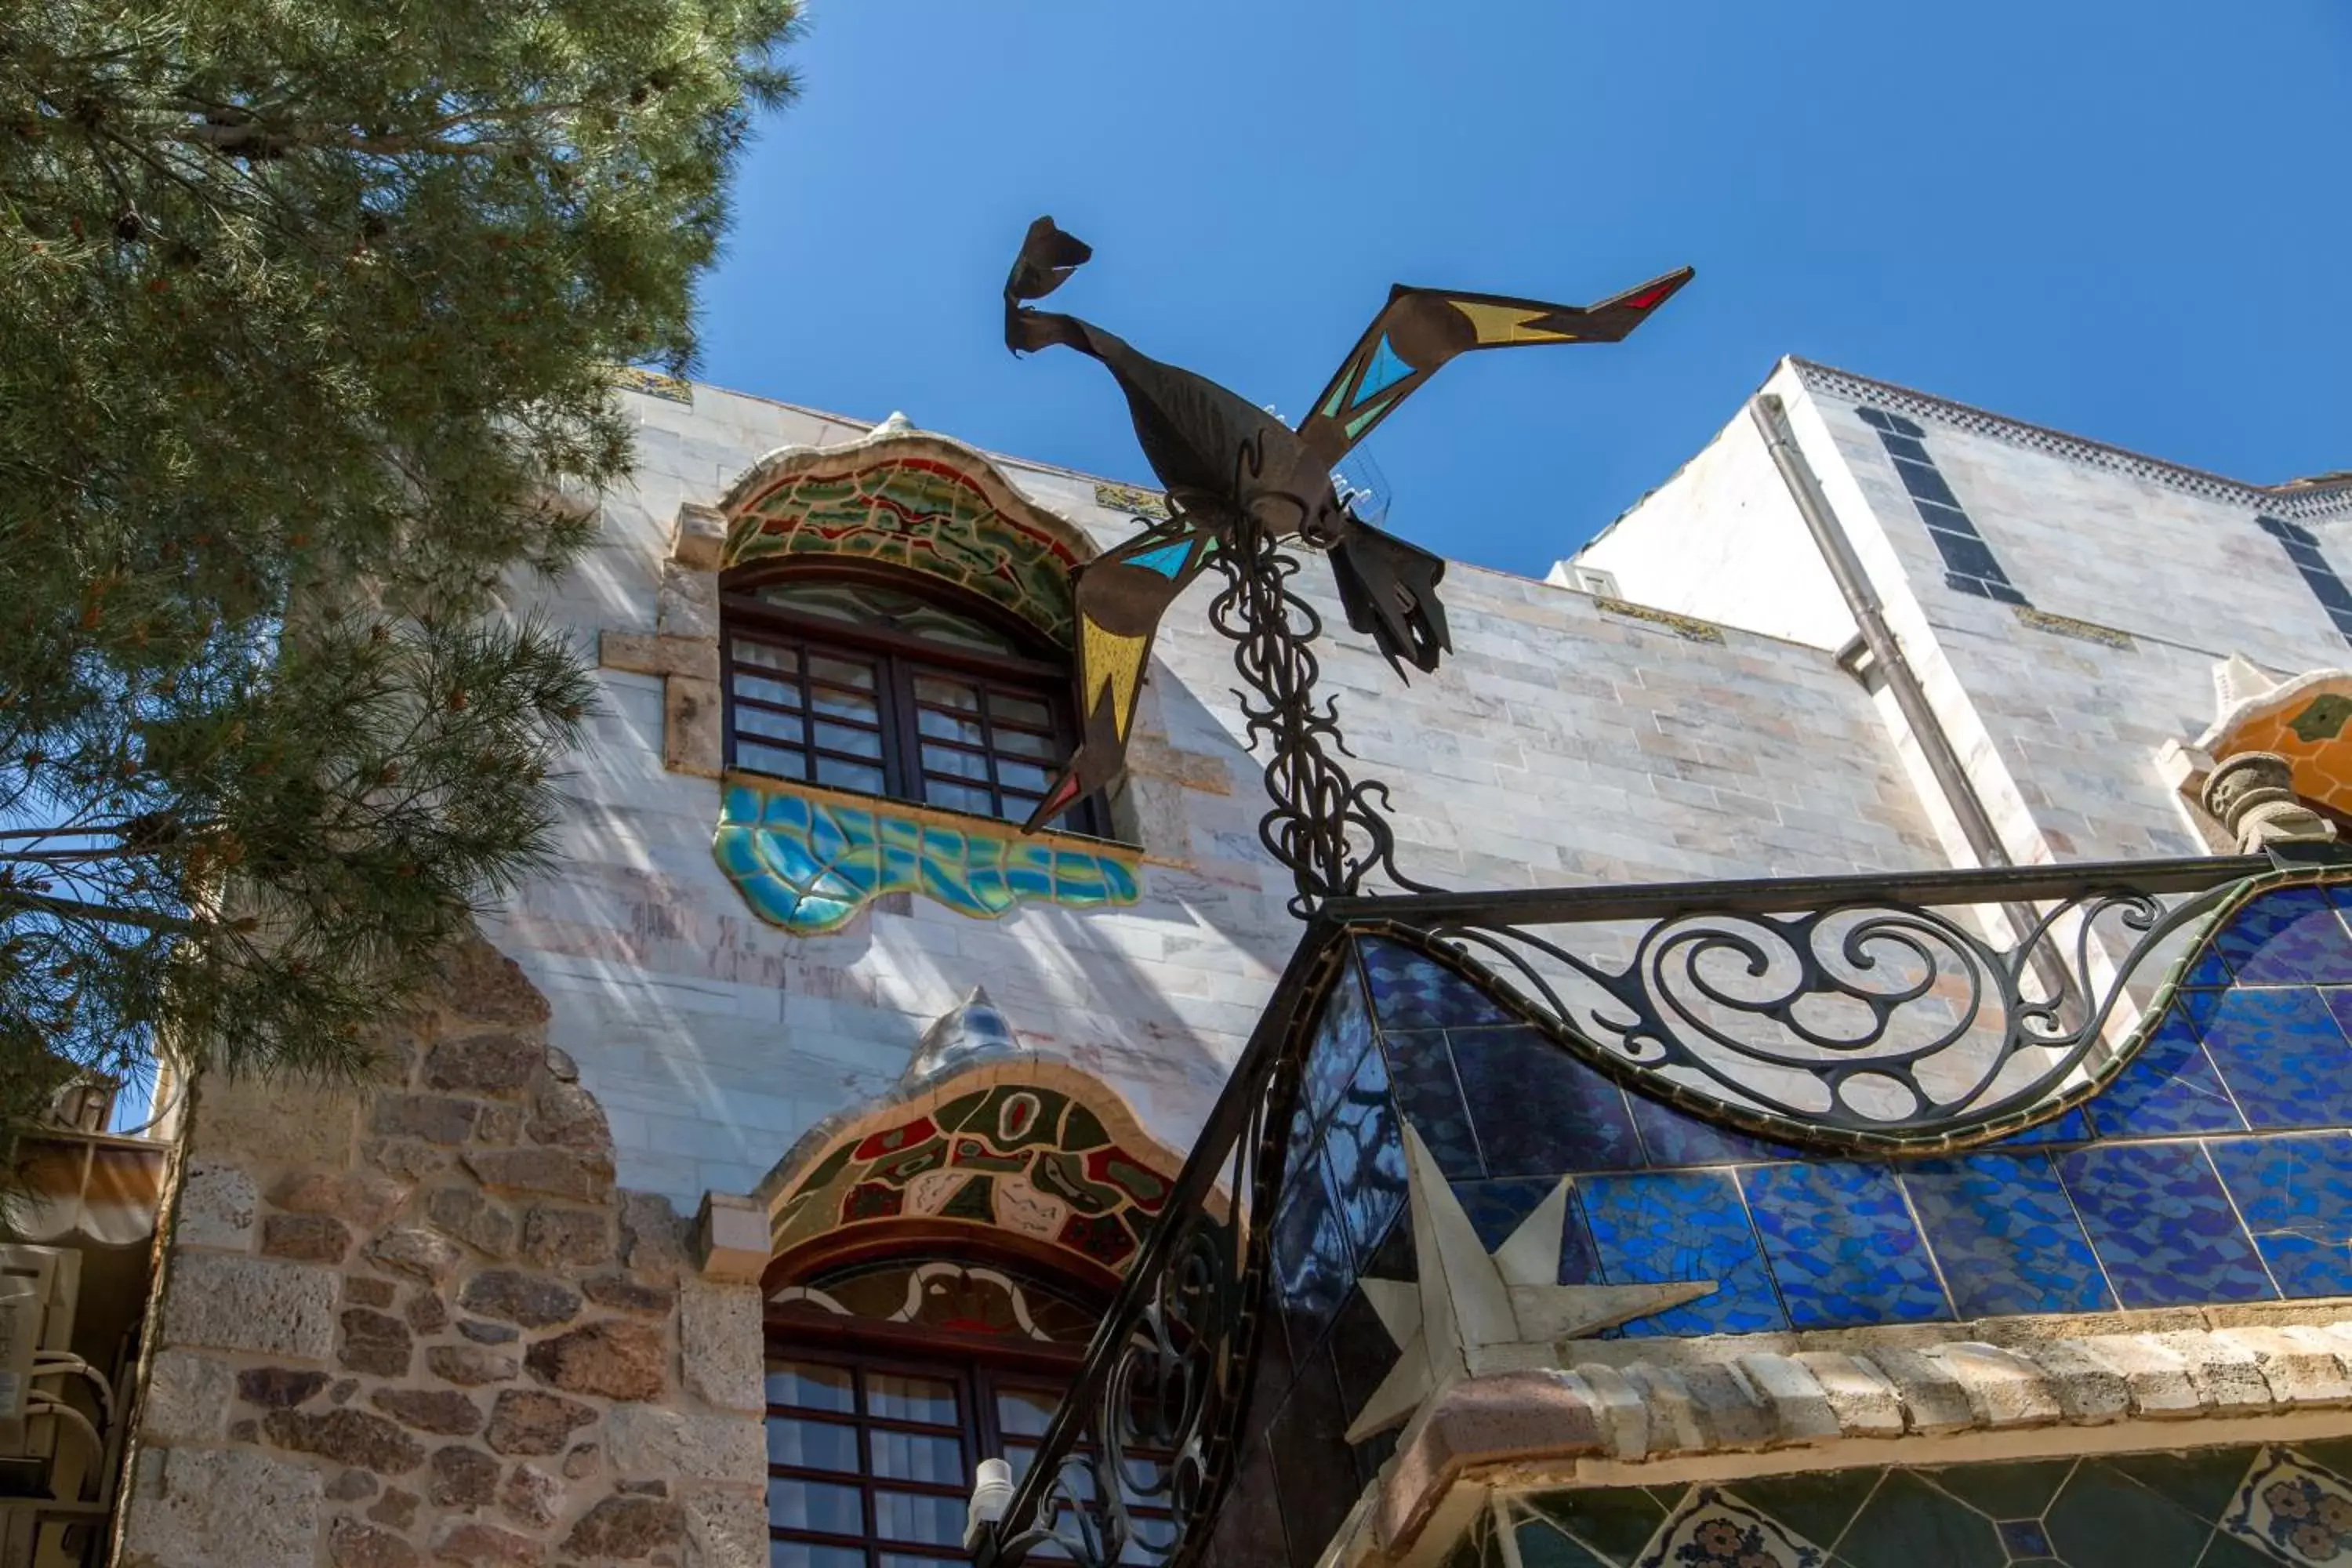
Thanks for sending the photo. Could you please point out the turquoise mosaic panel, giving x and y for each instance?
(809, 864)
(2214, 1508)
(2216, 1167)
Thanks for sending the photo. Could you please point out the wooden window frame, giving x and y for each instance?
(1041, 674)
(977, 1366)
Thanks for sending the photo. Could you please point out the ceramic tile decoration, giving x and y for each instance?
(1341, 1037)
(1685, 1225)
(2161, 1225)
(1670, 1137)
(1842, 1246)
(1410, 992)
(2006, 1235)
(1363, 1148)
(1496, 1209)
(1420, 1071)
(2292, 937)
(2113, 1205)
(1023, 1158)
(1537, 1109)
(2284, 1056)
(2216, 1508)
(1313, 1270)
(918, 513)
(2295, 1195)
(2170, 1086)
(808, 862)
(1714, 1530)
(2301, 1512)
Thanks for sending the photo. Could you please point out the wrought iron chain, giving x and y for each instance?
(1329, 830)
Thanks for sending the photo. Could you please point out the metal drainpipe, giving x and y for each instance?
(1943, 762)
(1837, 550)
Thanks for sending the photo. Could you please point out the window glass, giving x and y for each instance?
(880, 690)
(811, 1386)
(873, 605)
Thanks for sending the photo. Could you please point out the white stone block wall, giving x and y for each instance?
(1561, 743)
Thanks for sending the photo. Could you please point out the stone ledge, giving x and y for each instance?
(1652, 1404)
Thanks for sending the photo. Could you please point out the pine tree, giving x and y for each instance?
(308, 311)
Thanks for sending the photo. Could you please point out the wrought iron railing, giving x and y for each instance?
(1902, 1013)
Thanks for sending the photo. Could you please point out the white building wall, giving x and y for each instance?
(1561, 743)
(2057, 729)
(1723, 540)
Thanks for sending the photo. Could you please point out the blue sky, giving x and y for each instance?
(2123, 218)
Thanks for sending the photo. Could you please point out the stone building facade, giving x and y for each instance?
(771, 1161)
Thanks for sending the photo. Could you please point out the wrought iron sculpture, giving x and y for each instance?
(1235, 474)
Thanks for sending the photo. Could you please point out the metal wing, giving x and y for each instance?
(1121, 595)
(1419, 329)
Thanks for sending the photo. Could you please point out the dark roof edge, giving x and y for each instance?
(2297, 499)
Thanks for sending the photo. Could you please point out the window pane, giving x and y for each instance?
(844, 705)
(817, 1445)
(760, 721)
(947, 727)
(908, 1457)
(1023, 1412)
(959, 797)
(746, 651)
(901, 1560)
(909, 1516)
(947, 693)
(764, 690)
(815, 1505)
(841, 671)
(1022, 776)
(957, 764)
(847, 738)
(811, 1385)
(1022, 743)
(770, 760)
(896, 1397)
(1017, 808)
(1019, 710)
(808, 1555)
(848, 775)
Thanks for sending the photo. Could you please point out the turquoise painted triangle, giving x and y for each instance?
(1167, 560)
(1384, 372)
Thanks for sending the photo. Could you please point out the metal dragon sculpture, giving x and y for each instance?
(1223, 459)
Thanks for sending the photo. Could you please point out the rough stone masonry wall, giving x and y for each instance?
(417, 1323)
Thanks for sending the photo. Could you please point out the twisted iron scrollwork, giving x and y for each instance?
(1154, 1416)
(1328, 829)
(1860, 1024)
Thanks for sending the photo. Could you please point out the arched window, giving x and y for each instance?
(889, 1381)
(892, 684)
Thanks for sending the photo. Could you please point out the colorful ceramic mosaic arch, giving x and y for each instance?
(916, 502)
(808, 859)
(1041, 1155)
(2307, 720)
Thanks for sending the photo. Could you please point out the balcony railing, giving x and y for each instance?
(1903, 1013)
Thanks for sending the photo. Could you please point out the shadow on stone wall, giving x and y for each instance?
(415, 1322)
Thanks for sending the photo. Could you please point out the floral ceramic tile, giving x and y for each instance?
(1715, 1529)
(2298, 1511)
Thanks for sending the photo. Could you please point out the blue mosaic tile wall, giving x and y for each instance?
(2217, 1168)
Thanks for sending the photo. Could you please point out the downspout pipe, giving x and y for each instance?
(1943, 762)
(1861, 600)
